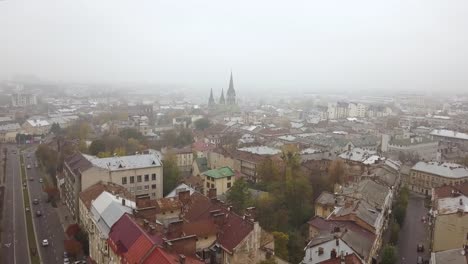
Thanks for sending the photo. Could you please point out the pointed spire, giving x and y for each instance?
(231, 93)
(221, 98)
(211, 101)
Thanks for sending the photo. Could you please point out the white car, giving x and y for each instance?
(45, 243)
(40, 180)
(29, 166)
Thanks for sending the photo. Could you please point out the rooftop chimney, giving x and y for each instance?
(184, 197)
(181, 259)
(123, 202)
(175, 228)
(152, 230)
(461, 201)
(212, 193)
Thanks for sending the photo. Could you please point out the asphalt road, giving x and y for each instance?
(48, 225)
(14, 238)
(414, 231)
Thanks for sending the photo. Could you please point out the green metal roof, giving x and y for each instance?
(219, 173)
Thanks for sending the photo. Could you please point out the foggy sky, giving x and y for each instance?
(310, 45)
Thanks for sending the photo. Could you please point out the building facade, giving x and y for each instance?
(427, 175)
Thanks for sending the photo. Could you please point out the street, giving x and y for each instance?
(14, 237)
(48, 225)
(414, 231)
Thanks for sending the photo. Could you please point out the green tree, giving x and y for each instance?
(395, 231)
(133, 145)
(389, 255)
(170, 173)
(97, 146)
(400, 213)
(239, 196)
(281, 244)
(55, 129)
(202, 123)
(268, 171)
(128, 133)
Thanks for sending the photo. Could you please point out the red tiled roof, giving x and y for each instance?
(446, 191)
(234, 228)
(202, 146)
(160, 256)
(138, 250)
(93, 191)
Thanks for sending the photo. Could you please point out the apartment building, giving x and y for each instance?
(427, 175)
(139, 174)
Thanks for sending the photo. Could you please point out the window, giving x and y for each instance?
(138, 188)
(207, 185)
(146, 177)
(124, 180)
(212, 185)
(229, 185)
(153, 176)
(146, 187)
(153, 194)
(229, 178)
(139, 178)
(153, 186)
(132, 179)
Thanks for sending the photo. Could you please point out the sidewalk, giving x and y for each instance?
(64, 217)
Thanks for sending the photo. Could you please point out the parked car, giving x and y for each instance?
(420, 247)
(36, 201)
(28, 167)
(45, 242)
(41, 181)
(38, 213)
(420, 260)
(66, 261)
(27, 209)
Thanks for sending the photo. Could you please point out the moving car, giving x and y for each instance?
(29, 166)
(38, 213)
(45, 242)
(36, 201)
(40, 180)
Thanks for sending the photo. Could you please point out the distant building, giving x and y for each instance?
(231, 93)
(36, 126)
(230, 98)
(23, 99)
(424, 147)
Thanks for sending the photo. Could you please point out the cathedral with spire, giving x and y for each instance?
(230, 96)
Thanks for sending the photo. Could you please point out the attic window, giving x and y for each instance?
(153, 163)
(320, 251)
(120, 166)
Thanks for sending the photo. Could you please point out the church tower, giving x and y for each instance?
(221, 98)
(231, 93)
(211, 101)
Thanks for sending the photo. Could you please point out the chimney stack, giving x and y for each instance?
(184, 197)
(175, 228)
(152, 229)
(212, 193)
(123, 202)
(181, 259)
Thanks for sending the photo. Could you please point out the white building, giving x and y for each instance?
(23, 99)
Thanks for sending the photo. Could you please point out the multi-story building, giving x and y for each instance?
(427, 175)
(23, 99)
(356, 110)
(338, 110)
(220, 179)
(424, 147)
(36, 126)
(139, 174)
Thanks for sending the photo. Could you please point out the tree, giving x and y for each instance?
(72, 247)
(52, 193)
(267, 171)
(336, 171)
(97, 146)
(72, 230)
(395, 231)
(133, 146)
(170, 173)
(55, 129)
(202, 123)
(388, 255)
(128, 133)
(239, 196)
(400, 213)
(268, 261)
(392, 122)
(281, 244)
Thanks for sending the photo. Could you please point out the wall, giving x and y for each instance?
(312, 254)
(220, 184)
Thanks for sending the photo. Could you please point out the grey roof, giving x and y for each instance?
(361, 209)
(202, 164)
(325, 198)
(355, 241)
(448, 170)
(10, 127)
(368, 190)
(451, 256)
(125, 162)
(449, 134)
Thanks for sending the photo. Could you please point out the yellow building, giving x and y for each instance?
(220, 179)
(451, 223)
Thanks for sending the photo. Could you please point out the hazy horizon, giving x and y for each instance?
(281, 46)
